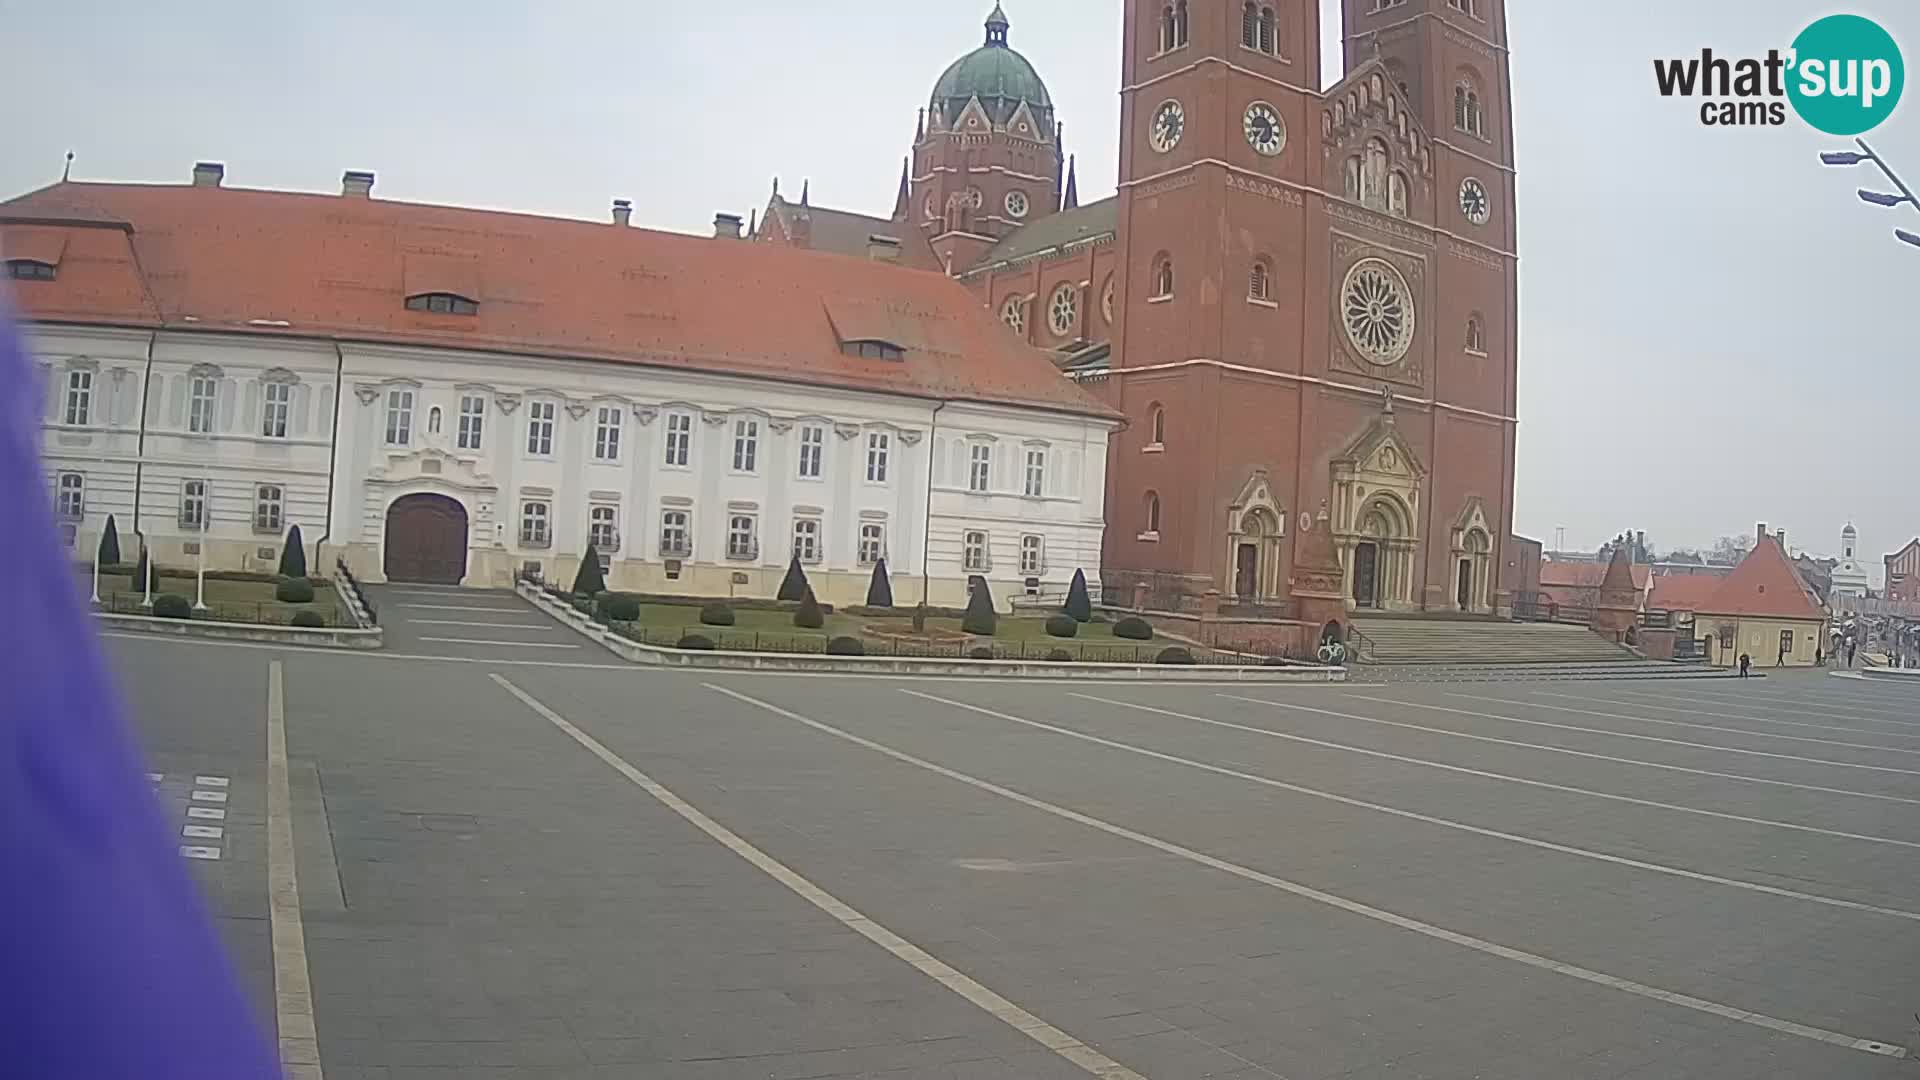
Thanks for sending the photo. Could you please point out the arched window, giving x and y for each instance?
(1476, 335)
(1373, 177)
(1397, 194)
(1260, 282)
(1351, 181)
(1166, 28)
(1153, 515)
(1179, 23)
(1157, 427)
(443, 303)
(1162, 277)
(1250, 25)
(1269, 33)
(1467, 115)
(1466, 6)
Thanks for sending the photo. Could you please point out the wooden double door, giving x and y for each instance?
(426, 540)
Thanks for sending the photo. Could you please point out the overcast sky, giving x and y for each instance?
(1714, 331)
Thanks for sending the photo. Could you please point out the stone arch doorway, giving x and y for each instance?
(1256, 555)
(1380, 570)
(426, 540)
(1472, 571)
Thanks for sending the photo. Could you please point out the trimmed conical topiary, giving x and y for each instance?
(809, 617)
(1079, 604)
(880, 589)
(794, 585)
(589, 581)
(110, 544)
(293, 557)
(980, 618)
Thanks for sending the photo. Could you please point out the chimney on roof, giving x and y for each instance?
(1782, 537)
(1760, 532)
(208, 173)
(883, 248)
(355, 184)
(623, 212)
(726, 226)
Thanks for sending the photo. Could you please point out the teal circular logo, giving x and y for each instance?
(1846, 75)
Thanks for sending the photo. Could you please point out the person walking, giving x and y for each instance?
(1850, 648)
(1745, 661)
(1819, 658)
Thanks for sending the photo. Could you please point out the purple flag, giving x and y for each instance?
(110, 964)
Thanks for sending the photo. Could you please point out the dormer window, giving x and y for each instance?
(29, 270)
(443, 303)
(873, 349)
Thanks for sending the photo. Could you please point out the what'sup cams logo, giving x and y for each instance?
(1843, 75)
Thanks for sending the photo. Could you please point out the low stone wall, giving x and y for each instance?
(1268, 637)
(326, 637)
(655, 656)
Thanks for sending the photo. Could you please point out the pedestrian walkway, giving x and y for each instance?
(427, 620)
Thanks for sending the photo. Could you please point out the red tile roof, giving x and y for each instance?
(231, 259)
(1764, 585)
(1584, 575)
(1683, 592)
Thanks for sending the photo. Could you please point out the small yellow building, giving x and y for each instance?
(1763, 609)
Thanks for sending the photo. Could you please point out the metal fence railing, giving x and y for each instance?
(360, 594)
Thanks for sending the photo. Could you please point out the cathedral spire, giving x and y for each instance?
(806, 186)
(920, 127)
(997, 27)
(901, 200)
(1070, 199)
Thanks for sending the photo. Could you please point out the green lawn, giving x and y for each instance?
(233, 601)
(1016, 638)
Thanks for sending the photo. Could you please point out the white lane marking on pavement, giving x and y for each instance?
(1509, 778)
(464, 607)
(154, 777)
(202, 832)
(1691, 708)
(487, 625)
(209, 796)
(513, 644)
(211, 781)
(1268, 781)
(1685, 724)
(207, 812)
(1642, 736)
(1815, 707)
(1588, 754)
(292, 990)
(196, 851)
(1061, 1043)
(1355, 907)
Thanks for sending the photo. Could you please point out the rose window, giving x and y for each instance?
(1377, 310)
(1062, 310)
(1014, 314)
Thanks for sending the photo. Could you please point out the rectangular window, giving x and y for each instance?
(269, 508)
(806, 539)
(534, 519)
(1036, 472)
(1786, 643)
(193, 504)
(980, 469)
(973, 553)
(540, 428)
(71, 501)
(676, 541)
(276, 402)
(473, 416)
(741, 541)
(399, 417)
(606, 434)
(603, 528)
(200, 404)
(873, 543)
(813, 444)
(746, 446)
(79, 397)
(878, 444)
(1032, 555)
(679, 439)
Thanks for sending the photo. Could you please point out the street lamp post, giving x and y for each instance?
(148, 559)
(200, 568)
(96, 568)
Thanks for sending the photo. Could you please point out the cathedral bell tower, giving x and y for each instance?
(986, 153)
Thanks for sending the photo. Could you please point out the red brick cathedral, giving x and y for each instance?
(1303, 300)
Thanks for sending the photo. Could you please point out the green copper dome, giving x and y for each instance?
(998, 76)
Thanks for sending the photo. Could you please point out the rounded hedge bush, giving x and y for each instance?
(1174, 655)
(1062, 626)
(717, 615)
(294, 590)
(846, 646)
(1060, 656)
(980, 652)
(695, 641)
(1133, 628)
(172, 606)
(312, 620)
(619, 608)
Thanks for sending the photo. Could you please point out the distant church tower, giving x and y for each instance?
(986, 153)
(1849, 576)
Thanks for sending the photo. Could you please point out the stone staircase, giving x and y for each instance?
(1510, 649)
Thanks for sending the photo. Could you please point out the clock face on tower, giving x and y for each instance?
(1169, 123)
(1474, 202)
(1265, 131)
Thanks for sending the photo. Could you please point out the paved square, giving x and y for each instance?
(516, 866)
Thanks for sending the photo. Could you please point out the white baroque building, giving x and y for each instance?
(450, 395)
(1850, 574)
